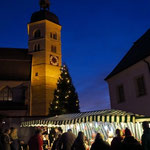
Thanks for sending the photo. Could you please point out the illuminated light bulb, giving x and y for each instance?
(67, 96)
(78, 127)
(96, 125)
(106, 128)
(91, 125)
(56, 102)
(111, 130)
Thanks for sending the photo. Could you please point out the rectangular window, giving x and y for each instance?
(36, 74)
(53, 49)
(121, 94)
(51, 35)
(140, 86)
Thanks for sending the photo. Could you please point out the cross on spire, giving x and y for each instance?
(44, 4)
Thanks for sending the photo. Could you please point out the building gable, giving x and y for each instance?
(139, 51)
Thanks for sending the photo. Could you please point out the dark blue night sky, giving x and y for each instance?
(96, 34)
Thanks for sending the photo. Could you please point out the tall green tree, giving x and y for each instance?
(65, 96)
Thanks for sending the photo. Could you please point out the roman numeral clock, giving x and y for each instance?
(54, 60)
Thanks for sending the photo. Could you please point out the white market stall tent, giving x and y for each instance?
(103, 121)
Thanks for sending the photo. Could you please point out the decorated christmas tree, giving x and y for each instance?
(65, 96)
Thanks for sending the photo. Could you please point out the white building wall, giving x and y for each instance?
(140, 105)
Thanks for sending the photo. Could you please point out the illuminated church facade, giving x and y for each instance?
(28, 77)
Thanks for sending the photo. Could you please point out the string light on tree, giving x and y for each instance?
(65, 96)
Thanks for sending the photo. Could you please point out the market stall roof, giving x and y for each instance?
(101, 115)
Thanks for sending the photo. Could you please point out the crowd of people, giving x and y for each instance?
(9, 140)
(58, 140)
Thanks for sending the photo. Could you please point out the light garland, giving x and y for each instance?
(67, 96)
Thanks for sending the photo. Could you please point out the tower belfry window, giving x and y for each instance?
(37, 34)
(55, 36)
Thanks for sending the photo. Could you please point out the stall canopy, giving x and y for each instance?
(84, 117)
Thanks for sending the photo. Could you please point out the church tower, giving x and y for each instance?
(44, 44)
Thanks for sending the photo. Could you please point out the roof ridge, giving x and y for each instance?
(141, 47)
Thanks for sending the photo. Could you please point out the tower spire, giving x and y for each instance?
(44, 4)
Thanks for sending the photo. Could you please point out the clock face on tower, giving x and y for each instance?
(54, 60)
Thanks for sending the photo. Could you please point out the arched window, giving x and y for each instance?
(6, 94)
(35, 48)
(37, 34)
(38, 47)
(53, 49)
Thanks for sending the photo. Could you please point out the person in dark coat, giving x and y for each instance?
(99, 143)
(129, 142)
(1, 139)
(79, 143)
(67, 140)
(15, 143)
(116, 143)
(6, 140)
(146, 136)
(59, 132)
(36, 142)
